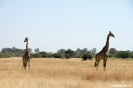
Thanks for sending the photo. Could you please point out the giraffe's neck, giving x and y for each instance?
(27, 45)
(27, 50)
(107, 44)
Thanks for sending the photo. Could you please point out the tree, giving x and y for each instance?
(81, 51)
(78, 51)
(85, 50)
(12, 52)
(112, 52)
(30, 50)
(61, 51)
(70, 52)
(93, 51)
(37, 50)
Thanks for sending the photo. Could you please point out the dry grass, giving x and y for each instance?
(72, 73)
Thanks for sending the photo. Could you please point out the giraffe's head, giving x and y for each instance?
(26, 39)
(111, 34)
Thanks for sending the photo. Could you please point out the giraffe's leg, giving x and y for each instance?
(104, 63)
(97, 63)
(25, 68)
(25, 64)
(29, 63)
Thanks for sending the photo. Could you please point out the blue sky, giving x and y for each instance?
(51, 25)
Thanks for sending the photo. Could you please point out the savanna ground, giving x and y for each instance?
(71, 73)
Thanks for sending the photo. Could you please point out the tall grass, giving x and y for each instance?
(71, 73)
(117, 75)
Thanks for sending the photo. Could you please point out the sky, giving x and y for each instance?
(51, 25)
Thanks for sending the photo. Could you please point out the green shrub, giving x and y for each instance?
(123, 54)
(57, 55)
(87, 56)
(37, 55)
(44, 54)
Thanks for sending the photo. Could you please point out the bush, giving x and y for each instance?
(44, 54)
(4, 55)
(37, 55)
(131, 55)
(78, 56)
(57, 55)
(123, 54)
(67, 56)
(87, 56)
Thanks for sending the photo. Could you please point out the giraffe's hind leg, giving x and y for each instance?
(97, 63)
(24, 63)
(25, 66)
(104, 63)
(29, 63)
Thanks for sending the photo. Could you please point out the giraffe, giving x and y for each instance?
(103, 54)
(26, 56)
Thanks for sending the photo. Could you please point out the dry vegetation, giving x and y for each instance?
(72, 73)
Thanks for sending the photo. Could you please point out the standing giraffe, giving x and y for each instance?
(103, 54)
(26, 56)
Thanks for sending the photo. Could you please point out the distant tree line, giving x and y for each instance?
(61, 53)
(120, 54)
(66, 54)
(85, 54)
